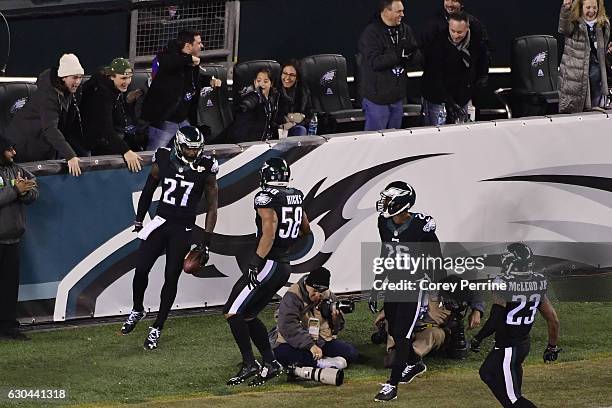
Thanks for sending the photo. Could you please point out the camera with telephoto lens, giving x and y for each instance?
(329, 376)
(327, 307)
(457, 345)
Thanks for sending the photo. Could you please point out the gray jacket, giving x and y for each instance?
(293, 313)
(12, 205)
(42, 126)
(574, 89)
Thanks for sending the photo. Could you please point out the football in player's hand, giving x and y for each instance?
(193, 261)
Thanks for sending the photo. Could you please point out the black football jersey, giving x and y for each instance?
(182, 185)
(523, 296)
(418, 228)
(287, 203)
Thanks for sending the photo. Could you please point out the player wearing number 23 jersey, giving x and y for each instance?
(280, 220)
(184, 173)
(512, 315)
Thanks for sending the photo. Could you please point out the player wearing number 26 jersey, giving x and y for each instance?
(184, 173)
(512, 316)
(280, 220)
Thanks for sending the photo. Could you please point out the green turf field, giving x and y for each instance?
(97, 367)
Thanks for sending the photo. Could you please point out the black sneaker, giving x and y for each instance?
(246, 371)
(152, 339)
(412, 371)
(131, 321)
(268, 371)
(387, 392)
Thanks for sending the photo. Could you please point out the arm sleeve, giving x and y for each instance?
(100, 118)
(8, 194)
(496, 317)
(174, 61)
(31, 195)
(565, 25)
(49, 120)
(373, 50)
(290, 323)
(146, 197)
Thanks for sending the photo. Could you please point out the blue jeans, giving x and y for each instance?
(298, 130)
(287, 355)
(160, 137)
(379, 117)
(431, 111)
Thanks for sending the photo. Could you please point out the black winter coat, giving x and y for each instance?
(255, 118)
(42, 127)
(446, 79)
(168, 88)
(103, 111)
(383, 72)
(300, 103)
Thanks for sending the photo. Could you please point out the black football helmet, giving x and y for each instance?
(188, 137)
(517, 260)
(396, 197)
(274, 172)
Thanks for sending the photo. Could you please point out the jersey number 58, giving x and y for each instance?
(291, 219)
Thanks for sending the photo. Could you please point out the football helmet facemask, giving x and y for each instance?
(517, 260)
(395, 198)
(274, 172)
(187, 140)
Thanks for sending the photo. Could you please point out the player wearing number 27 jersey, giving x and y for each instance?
(280, 220)
(512, 315)
(185, 174)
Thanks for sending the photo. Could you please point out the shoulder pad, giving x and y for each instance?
(160, 152)
(429, 224)
(263, 199)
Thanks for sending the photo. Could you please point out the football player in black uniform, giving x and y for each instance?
(398, 226)
(512, 315)
(185, 174)
(280, 221)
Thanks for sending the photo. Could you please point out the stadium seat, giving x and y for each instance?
(534, 77)
(13, 96)
(140, 80)
(244, 73)
(214, 109)
(326, 77)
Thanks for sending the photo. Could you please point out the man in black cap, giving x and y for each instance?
(308, 327)
(17, 189)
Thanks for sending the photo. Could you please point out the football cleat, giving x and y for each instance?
(132, 321)
(412, 371)
(268, 372)
(387, 392)
(246, 371)
(152, 339)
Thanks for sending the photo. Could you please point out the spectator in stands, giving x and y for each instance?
(308, 328)
(439, 24)
(17, 189)
(294, 106)
(582, 76)
(39, 128)
(256, 117)
(173, 96)
(104, 111)
(387, 47)
(456, 61)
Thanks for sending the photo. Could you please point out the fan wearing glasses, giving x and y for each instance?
(295, 107)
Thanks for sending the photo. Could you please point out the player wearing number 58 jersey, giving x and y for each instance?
(512, 316)
(280, 220)
(184, 174)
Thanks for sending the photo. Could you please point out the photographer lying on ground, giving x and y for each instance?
(309, 319)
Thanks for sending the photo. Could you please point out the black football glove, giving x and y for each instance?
(137, 226)
(373, 302)
(551, 353)
(254, 267)
(475, 345)
(205, 251)
(454, 112)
